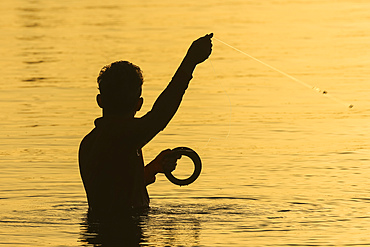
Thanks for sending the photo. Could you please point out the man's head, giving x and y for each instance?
(120, 84)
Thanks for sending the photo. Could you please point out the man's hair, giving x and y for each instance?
(120, 85)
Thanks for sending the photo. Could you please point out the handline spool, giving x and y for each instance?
(197, 166)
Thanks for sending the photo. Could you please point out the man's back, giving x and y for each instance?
(112, 168)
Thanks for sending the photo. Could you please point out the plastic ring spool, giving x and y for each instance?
(197, 166)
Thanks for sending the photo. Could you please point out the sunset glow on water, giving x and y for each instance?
(283, 164)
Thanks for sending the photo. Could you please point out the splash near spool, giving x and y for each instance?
(180, 151)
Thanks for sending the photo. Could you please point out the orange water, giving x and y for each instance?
(283, 165)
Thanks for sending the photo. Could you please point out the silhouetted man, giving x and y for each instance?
(110, 156)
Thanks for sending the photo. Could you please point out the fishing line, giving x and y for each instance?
(321, 91)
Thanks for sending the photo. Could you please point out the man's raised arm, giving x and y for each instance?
(169, 101)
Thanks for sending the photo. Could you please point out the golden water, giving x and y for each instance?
(283, 164)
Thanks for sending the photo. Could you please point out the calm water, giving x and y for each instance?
(283, 164)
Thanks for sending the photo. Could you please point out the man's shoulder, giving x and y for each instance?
(88, 138)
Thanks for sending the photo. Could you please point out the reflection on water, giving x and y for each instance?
(165, 227)
(172, 225)
(115, 233)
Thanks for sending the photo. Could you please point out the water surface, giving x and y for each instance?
(283, 164)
